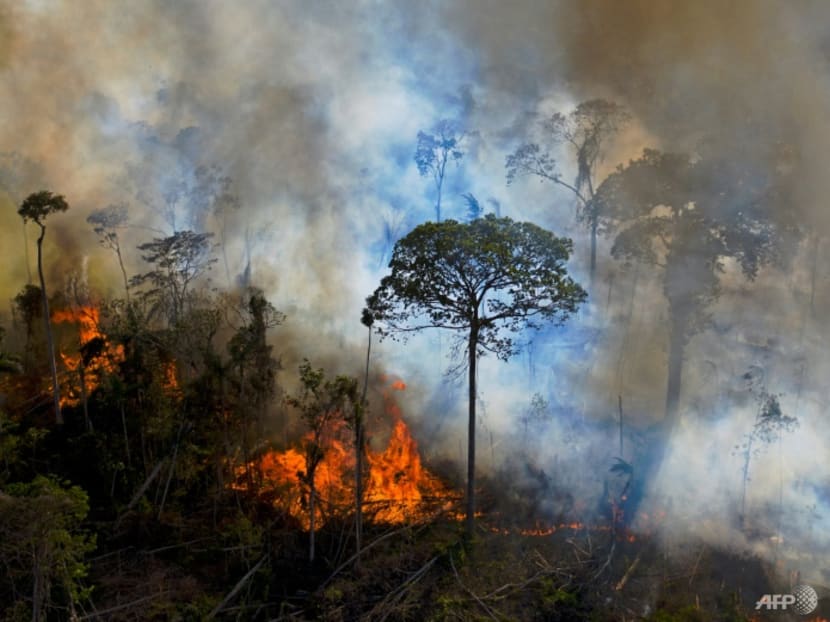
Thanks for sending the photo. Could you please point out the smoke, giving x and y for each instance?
(312, 109)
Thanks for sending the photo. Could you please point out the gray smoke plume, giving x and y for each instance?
(312, 109)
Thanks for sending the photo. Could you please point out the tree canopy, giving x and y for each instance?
(38, 205)
(492, 273)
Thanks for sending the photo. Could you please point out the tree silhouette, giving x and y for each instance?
(435, 149)
(687, 217)
(482, 280)
(37, 207)
(179, 260)
(106, 222)
(586, 130)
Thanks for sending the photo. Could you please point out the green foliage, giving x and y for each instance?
(320, 401)
(492, 274)
(42, 544)
(8, 362)
(686, 614)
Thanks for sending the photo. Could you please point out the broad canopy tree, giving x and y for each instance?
(688, 217)
(486, 281)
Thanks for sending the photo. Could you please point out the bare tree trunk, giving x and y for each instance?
(619, 404)
(593, 265)
(123, 272)
(126, 436)
(813, 274)
(172, 470)
(26, 254)
(471, 433)
(745, 480)
(311, 497)
(84, 401)
(358, 496)
(649, 468)
(36, 604)
(48, 325)
(676, 346)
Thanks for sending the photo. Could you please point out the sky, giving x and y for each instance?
(312, 110)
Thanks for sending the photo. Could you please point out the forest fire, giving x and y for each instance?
(94, 357)
(398, 487)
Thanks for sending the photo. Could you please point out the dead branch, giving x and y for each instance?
(395, 595)
(697, 562)
(374, 542)
(628, 573)
(144, 599)
(607, 561)
(240, 584)
(146, 484)
(470, 592)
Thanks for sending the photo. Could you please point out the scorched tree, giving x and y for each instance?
(486, 281)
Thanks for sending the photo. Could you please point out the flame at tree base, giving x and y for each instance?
(398, 488)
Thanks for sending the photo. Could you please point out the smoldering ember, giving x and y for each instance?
(464, 310)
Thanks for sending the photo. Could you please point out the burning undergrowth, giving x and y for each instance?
(398, 488)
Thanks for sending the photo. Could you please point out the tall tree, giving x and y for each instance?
(17, 172)
(106, 222)
(687, 217)
(586, 132)
(482, 280)
(436, 148)
(37, 207)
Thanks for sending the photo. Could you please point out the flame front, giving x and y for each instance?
(100, 361)
(398, 487)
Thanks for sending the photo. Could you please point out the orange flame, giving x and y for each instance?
(398, 486)
(170, 381)
(86, 318)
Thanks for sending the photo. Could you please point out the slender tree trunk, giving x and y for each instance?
(745, 480)
(126, 436)
(650, 466)
(619, 404)
(36, 604)
(358, 479)
(48, 325)
(123, 271)
(26, 254)
(311, 497)
(677, 341)
(471, 433)
(84, 401)
(593, 265)
(813, 274)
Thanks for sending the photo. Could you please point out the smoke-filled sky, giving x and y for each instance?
(312, 109)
